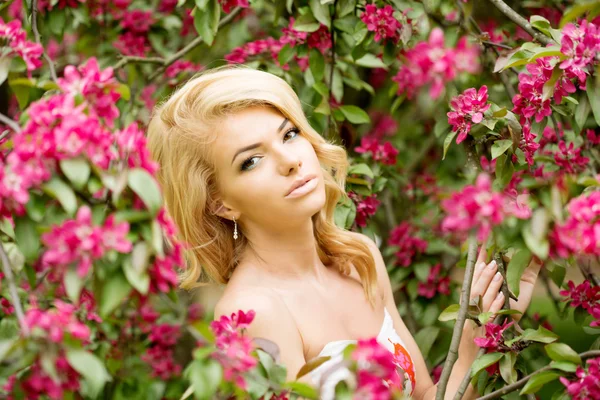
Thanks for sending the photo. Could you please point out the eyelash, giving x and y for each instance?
(243, 167)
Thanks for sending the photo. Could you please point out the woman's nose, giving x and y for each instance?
(289, 161)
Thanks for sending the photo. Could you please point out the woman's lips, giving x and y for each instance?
(308, 187)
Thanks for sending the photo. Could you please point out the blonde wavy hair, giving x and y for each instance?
(180, 134)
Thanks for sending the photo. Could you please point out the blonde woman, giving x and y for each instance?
(252, 188)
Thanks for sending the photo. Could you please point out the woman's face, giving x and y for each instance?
(259, 157)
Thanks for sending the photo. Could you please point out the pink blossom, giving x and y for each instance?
(167, 6)
(382, 22)
(6, 307)
(592, 137)
(131, 44)
(137, 21)
(17, 44)
(78, 241)
(408, 245)
(163, 274)
(432, 63)
(587, 383)
(581, 45)
(162, 362)
(570, 158)
(385, 153)
(435, 283)
(468, 108)
(376, 370)
(580, 232)
(131, 142)
(233, 347)
(583, 295)
(383, 125)
(52, 324)
(365, 207)
(487, 165)
(493, 340)
(229, 5)
(528, 144)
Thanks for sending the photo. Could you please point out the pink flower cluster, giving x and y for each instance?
(382, 22)
(528, 144)
(385, 153)
(233, 347)
(468, 108)
(320, 39)
(436, 283)
(580, 232)
(180, 66)
(570, 158)
(136, 25)
(132, 147)
(17, 44)
(529, 101)
(383, 125)
(493, 340)
(585, 296)
(477, 206)
(38, 384)
(587, 383)
(408, 245)
(98, 87)
(376, 372)
(581, 45)
(79, 242)
(159, 356)
(53, 324)
(432, 63)
(229, 5)
(365, 207)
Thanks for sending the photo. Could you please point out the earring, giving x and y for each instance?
(235, 232)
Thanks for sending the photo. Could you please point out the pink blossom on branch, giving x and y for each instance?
(382, 22)
(580, 232)
(385, 153)
(581, 45)
(436, 283)
(365, 207)
(586, 385)
(229, 5)
(468, 108)
(17, 44)
(493, 340)
(408, 245)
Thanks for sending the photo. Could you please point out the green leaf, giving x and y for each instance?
(536, 382)
(286, 54)
(27, 238)
(77, 170)
(507, 367)
(311, 365)
(450, 313)
(5, 62)
(485, 361)
(541, 335)
(540, 23)
(321, 12)
(146, 187)
(499, 147)
(346, 24)
(92, 369)
(593, 95)
(124, 91)
(563, 366)
(303, 390)
(355, 114)
(206, 21)
(425, 339)
(113, 292)
(6, 346)
(316, 62)
(73, 284)
(63, 193)
(371, 61)
(138, 279)
(306, 23)
(519, 261)
(361, 169)
(448, 141)
(562, 352)
(575, 11)
(582, 112)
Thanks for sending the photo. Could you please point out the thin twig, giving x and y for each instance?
(521, 382)
(465, 382)
(134, 59)
(7, 268)
(502, 46)
(170, 60)
(460, 320)
(36, 33)
(10, 123)
(522, 22)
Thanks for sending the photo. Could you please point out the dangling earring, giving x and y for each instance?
(235, 233)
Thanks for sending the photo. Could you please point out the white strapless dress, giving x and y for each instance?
(387, 337)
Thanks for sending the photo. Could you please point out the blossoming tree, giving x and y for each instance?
(467, 123)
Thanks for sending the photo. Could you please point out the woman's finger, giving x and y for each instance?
(479, 264)
(485, 276)
(491, 292)
(497, 303)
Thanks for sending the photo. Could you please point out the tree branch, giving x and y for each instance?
(522, 22)
(460, 320)
(521, 382)
(7, 268)
(170, 60)
(36, 33)
(133, 59)
(10, 123)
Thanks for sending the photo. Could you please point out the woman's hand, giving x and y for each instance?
(487, 282)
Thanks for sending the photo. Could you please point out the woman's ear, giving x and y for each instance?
(223, 211)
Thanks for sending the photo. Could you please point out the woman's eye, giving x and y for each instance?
(295, 131)
(248, 163)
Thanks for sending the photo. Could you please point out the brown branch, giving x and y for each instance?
(170, 60)
(7, 268)
(522, 22)
(460, 320)
(36, 33)
(10, 123)
(133, 59)
(521, 382)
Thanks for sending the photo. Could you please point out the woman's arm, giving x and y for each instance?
(425, 388)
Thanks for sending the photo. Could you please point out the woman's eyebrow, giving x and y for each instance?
(255, 145)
